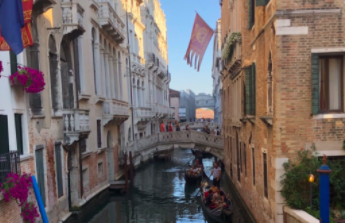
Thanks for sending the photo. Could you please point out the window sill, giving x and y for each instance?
(26, 157)
(100, 150)
(329, 116)
(86, 154)
(267, 119)
(38, 116)
(84, 97)
(99, 99)
(251, 118)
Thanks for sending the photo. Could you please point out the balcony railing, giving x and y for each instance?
(76, 122)
(72, 17)
(115, 110)
(110, 20)
(9, 163)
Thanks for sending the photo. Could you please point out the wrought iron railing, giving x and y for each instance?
(9, 163)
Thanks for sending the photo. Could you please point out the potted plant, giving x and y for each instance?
(1, 67)
(340, 217)
(30, 79)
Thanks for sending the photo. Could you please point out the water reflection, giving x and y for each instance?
(159, 195)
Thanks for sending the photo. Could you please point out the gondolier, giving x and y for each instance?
(216, 173)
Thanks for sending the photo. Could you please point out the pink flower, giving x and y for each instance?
(1, 67)
(32, 80)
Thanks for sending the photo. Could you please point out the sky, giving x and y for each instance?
(180, 15)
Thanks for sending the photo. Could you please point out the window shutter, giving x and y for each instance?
(19, 132)
(262, 2)
(13, 62)
(253, 89)
(99, 135)
(247, 89)
(4, 141)
(58, 169)
(250, 19)
(40, 171)
(315, 84)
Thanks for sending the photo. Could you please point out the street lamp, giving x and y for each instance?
(311, 180)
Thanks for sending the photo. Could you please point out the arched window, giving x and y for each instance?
(115, 74)
(66, 76)
(93, 39)
(138, 93)
(32, 55)
(269, 87)
(120, 72)
(53, 65)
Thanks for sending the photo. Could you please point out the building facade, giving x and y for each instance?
(203, 100)
(278, 68)
(71, 132)
(175, 103)
(187, 106)
(216, 75)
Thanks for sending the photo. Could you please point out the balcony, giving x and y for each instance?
(115, 112)
(41, 6)
(152, 61)
(142, 116)
(72, 18)
(162, 71)
(76, 123)
(163, 111)
(110, 21)
(137, 66)
(9, 163)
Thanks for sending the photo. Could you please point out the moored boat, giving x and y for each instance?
(219, 212)
(193, 177)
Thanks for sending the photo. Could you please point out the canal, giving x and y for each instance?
(160, 195)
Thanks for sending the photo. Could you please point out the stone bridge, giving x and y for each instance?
(200, 125)
(145, 147)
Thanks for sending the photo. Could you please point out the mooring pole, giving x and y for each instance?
(324, 172)
(131, 167)
(126, 173)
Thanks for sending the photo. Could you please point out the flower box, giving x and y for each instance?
(30, 79)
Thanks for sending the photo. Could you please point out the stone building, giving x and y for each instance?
(175, 102)
(216, 75)
(72, 131)
(282, 91)
(187, 106)
(203, 100)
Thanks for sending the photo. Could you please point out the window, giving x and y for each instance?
(99, 134)
(253, 163)
(269, 87)
(13, 62)
(330, 83)
(19, 133)
(4, 139)
(82, 145)
(93, 33)
(100, 169)
(238, 159)
(85, 177)
(250, 90)
(265, 175)
(251, 13)
(59, 170)
(245, 159)
(262, 2)
(39, 158)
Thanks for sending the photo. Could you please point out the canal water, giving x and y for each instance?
(160, 195)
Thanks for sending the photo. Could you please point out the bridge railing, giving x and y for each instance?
(164, 138)
(211, 125)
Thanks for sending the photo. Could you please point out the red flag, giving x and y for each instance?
(26, 30)
(199, 41)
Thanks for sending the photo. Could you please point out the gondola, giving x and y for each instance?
(200, 154)
(219, 214)
(193, 178)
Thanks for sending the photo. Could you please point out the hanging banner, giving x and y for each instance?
(25, 31)
(201, 36)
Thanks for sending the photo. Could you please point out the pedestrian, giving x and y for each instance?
(178, 127)
(162, 127)
(167, 127)
(187, 127)
(170, 128)
(216, 173)
(207, 130)
(216, 131)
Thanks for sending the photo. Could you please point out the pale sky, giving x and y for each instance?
(180, 15)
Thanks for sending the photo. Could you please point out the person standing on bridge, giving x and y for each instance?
(162, 127)
(216, 173)
(167, 127)
(187, 127)
(170, 128)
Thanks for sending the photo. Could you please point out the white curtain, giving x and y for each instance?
(334, 84)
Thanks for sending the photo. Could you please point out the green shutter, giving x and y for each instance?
(19, 132)
(315, 84)
(253, 89)
(4, 140)
(250, 19)
(13, 62)
(262, 2)
(247, 99)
